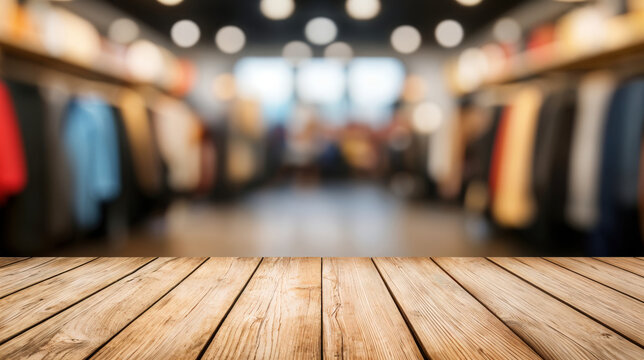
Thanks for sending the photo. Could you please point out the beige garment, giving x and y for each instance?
(179, 136)
(141, 141)
(513, 204)
(582, 204)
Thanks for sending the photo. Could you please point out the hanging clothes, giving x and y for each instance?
(60, 210)
(551, 164)
(13, 172)
(594, 96)
(178, 135)
(92, 148)
(513, 203)
(24, 214)
(147, 165)
(618, 230)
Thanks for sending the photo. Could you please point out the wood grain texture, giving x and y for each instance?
(633, 265)
(22, 274)
(10, 260)
(616, 310)
(277, 316)
(78, 331)
(360, 319)
(611, 276)
(26, 308)
(178, 326)
(552, 328)
(449, 322)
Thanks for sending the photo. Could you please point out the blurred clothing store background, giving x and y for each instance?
(321, 128)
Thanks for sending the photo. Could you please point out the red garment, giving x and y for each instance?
(497, 151)
(13, 170)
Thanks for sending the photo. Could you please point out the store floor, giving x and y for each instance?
(329, 220)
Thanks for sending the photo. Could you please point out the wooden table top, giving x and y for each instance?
(307, 308)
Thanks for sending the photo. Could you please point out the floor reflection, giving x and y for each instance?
(331, 220)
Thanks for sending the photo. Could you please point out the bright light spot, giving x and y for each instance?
(427, 118)
(185, 33)
(320, 31)
(224, 87)
(449, 33)
(339, 50)
(375, 82)
(170, 2)
(268, 80)
(144, 60)
(296, 51)
(472, 68)
(277, 9)
(123, 31)
(321, 81)
(469, 2)
(363, 9)
(230, 39)
(507, 30)
(405, 39)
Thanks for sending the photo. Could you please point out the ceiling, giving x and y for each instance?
(211, 15)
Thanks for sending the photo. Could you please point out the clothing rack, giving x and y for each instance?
(105, 73)
(613, 55)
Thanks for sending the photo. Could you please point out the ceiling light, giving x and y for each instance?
(123, 31)
(363, 9)
(277, 9)
(144, 60)
(449, 33)
(320, 31)
(296, 51)
(405, 39)
(185, 33)
(339, 50)
(230, 39)
(507, 30)
(170, 2)
(469, 2)
(427, 118)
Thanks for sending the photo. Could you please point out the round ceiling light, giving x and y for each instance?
(449, 33)
(320, 31)
(363, 9)
(123, 31)
(230, 39)
(277, 9)
(185, 33)
(406, 39)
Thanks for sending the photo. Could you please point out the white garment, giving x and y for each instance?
(595, 92)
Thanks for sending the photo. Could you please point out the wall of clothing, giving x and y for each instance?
(75, 162)
(559, 159)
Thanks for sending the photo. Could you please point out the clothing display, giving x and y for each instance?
(92, 147)
(513, 203)
(13, 175)
(141, 139)
(594, 95)
(24, 220)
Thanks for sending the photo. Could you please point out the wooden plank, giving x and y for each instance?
(447, 320)
(10, 260)
(360, 319)
(616, 310)
(179, 326)
(30, 306)
(22, 274)
(78, 331)
(634, 265)
(552, 328)
(609, 275)
(277, 316)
